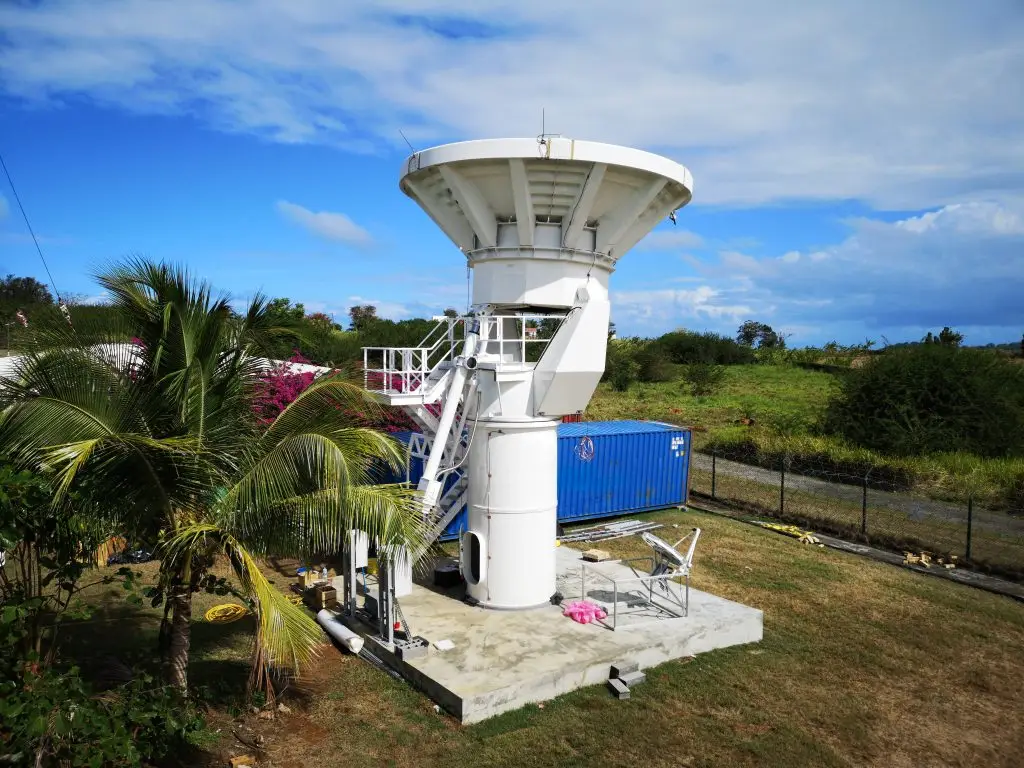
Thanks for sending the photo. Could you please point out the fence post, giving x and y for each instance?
(970, 519)
(864, 507)
(782, 486)
(714, 456)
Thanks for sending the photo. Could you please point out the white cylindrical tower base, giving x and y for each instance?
(508, 549)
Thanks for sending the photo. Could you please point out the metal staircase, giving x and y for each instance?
(453, 500)
(416, 379)
(435, 383)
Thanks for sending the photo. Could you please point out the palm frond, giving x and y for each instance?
(300, 463)
(76, 413)
(288, 635)
(317, 523)
(330, 402)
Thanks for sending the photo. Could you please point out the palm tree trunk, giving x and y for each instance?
(163, 640)
(181, 636)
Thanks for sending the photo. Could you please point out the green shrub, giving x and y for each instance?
(685, 347)
(931, 399)
(49, 715)
(52, 718)
(621, 368)
(334, 348)
(704, 378)
(654, 365)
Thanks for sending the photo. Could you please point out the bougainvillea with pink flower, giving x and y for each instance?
(280, 385)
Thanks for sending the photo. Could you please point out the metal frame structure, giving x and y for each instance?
(410, 367)
(667, 566)
(645, 582)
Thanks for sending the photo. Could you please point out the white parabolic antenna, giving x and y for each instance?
(527, 201)
(542, 223)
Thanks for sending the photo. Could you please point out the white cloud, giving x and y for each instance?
(331, 226)
(95, 298)
(979, 218)
(961, 265)
(671, 240)
(905, 105)
(390, 310)
(660, 309)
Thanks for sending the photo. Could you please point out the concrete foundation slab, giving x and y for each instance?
(502, 660)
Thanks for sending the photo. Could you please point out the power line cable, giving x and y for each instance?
(35, 240)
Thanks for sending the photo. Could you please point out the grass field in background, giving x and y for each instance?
(785, 403)
(769, 394)
(861, 664)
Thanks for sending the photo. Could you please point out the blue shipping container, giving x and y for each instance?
(608, 468)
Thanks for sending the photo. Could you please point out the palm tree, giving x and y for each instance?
(164, 430)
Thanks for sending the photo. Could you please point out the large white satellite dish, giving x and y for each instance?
(542, 223)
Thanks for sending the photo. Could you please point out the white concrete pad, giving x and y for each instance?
(502, 660)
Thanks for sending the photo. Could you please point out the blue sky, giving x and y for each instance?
(859, 167)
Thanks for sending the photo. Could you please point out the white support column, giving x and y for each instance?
(513, 504)
(572, 229)
(613, 226)
(474, 207)
(522, 200)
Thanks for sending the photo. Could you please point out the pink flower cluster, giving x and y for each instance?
(281, 385)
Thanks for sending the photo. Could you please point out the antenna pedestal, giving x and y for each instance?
(508, 550)
(542, 223)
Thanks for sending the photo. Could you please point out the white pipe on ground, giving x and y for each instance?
(332, 626)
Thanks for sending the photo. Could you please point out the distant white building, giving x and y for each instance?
(127, 352)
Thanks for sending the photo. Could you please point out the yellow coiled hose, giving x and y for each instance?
(225, 613)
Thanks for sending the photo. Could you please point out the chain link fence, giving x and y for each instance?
(872, 508)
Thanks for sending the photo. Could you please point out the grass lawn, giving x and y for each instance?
(861, 664)
(766, 393)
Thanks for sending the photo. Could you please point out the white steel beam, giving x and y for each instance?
(572, 229)
(449, 220)
(643, 225)
(523, 201)
(476, 210)
(610, 229)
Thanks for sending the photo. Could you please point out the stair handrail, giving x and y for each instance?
(418, 363)
(448, 323)
(429, 483)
